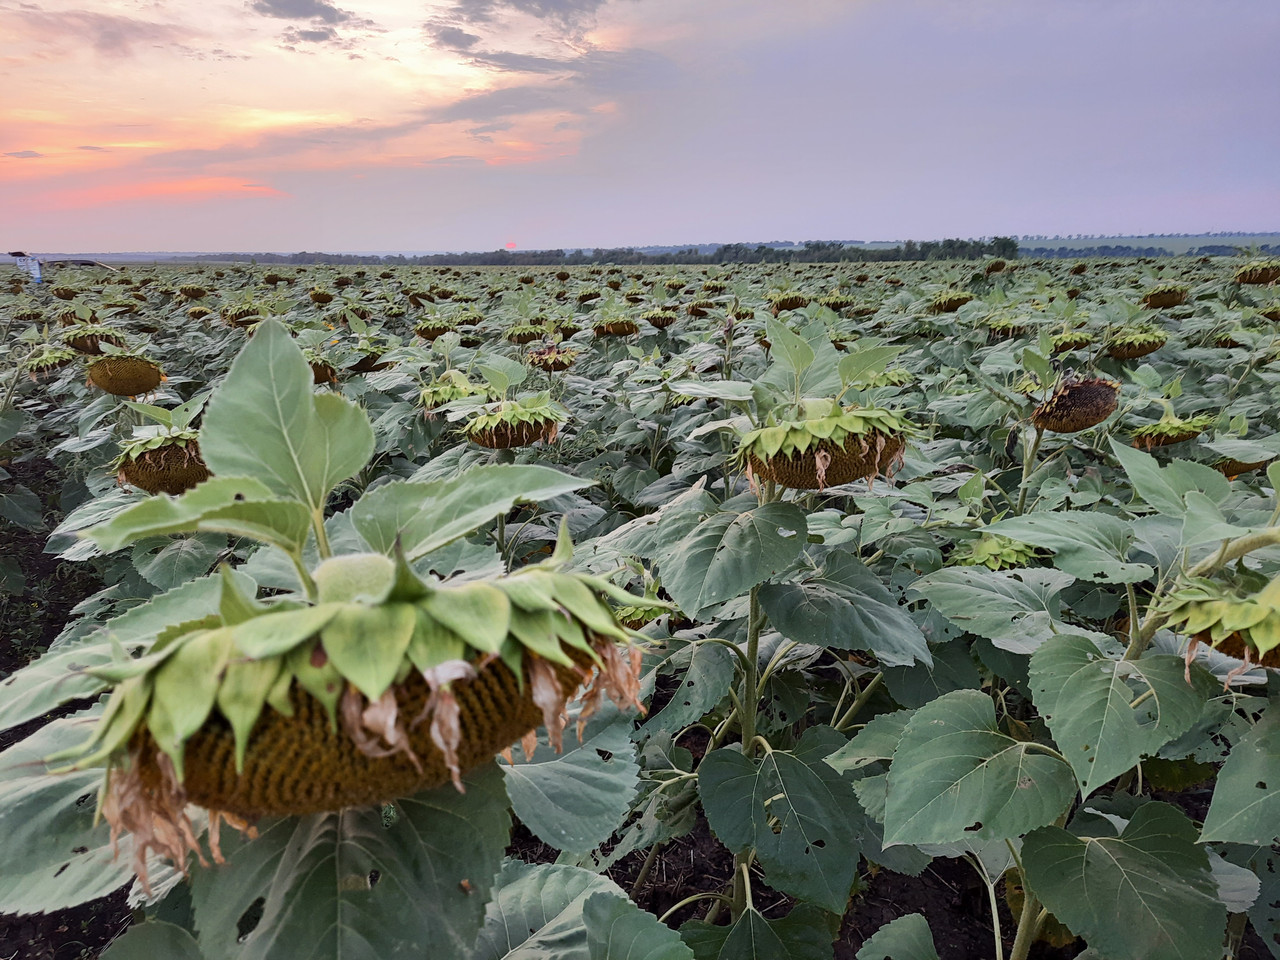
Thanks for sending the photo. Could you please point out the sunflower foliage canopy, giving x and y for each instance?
(903, 562)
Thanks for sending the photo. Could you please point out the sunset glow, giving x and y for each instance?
(829, 118)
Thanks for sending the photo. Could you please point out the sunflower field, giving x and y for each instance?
(906, 610)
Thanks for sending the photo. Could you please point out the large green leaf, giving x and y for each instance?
(728, 553)
(154, 940)
(576, 800)
(1146, 894)
(846, 607)
(952, 668)
(708, 670)
(1089, 546)
(267, 422)
(1017, 610)
(435, 864)
(1086, 699)
(803, 934)
(162, 515)
(1265, 912)
(19, 505)
(1166, 487)
(53, 855)
(62, 673)
(167, 563)
(1246, 799)
(791, 348)
(537, 912)
(428, 516)
(955, 776)
(907, 938)
(799, 816)
(738, 390)
(619, 930)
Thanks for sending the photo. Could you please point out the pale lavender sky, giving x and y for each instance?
(470, 124)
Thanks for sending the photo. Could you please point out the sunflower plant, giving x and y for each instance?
(305, 712)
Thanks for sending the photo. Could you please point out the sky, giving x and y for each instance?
(389, 125)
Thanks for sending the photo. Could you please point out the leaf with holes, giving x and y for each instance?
(728, 553)
(796, 814)
(1146, 894)
(54, 855)
(1087, 699)
(1246, 799)
(434, 866)
(703, 683)
(955, 776)
(575, 800)
(1087, 545)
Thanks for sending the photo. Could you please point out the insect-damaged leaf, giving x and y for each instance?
(955, 776)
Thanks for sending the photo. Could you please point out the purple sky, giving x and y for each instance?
(470, 124)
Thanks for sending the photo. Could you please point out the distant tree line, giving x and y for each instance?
(814, 251)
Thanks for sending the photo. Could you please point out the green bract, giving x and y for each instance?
(1172, 429)
(49, 357)
(1247, 627)
(375, 621)
(993, 551)
(1136, 337)
(145, 439)
(449, 386)
(805, 425)
(537, 410)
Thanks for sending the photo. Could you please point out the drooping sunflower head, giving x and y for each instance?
(385, 686)
(816, 443)
(1235, 621)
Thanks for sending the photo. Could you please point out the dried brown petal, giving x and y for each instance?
(549, 697)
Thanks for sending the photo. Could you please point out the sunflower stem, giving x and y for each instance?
(322, 536)
(1028, 467)
(859, 702)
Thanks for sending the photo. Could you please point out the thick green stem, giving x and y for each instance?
(719, 898)
(1235, 935)
(308, 584)
(741, 897)
(1028, 925)
(1028, 467)
(646, 868)
(859, 702)
(657, 446)
(750, 699)
(322, 536)
(774, 661)
(995, 917)
(1135, 624)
